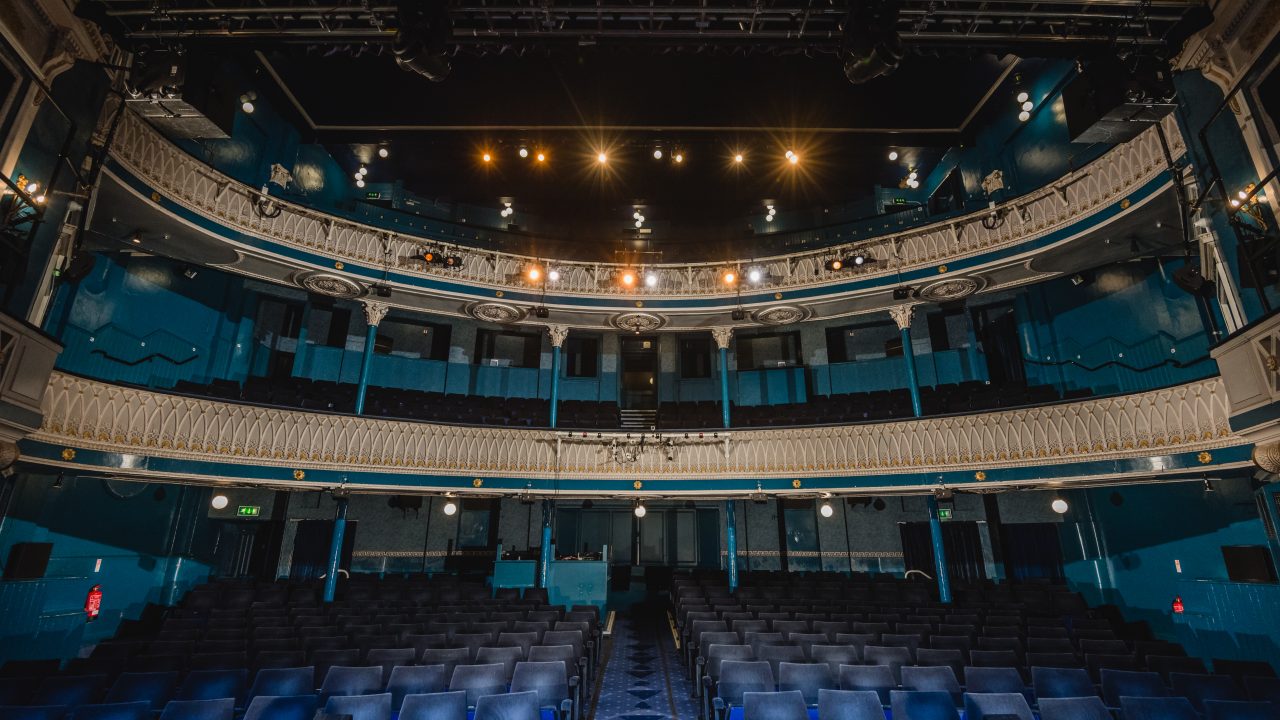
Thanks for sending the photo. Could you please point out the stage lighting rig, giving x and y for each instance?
(421, 43)
(872, 46)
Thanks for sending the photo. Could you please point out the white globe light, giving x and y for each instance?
(893, 155)
(524, 152)
(657, 154)
(219, 502)
(1024, 116)
(651, 280)
(913, 184)
(826, 510)
(790, 154)
(737, 158)
(635, 215)
(1027, 106)
(754, 275)
(641, 218)
(360, 183)
(363, 170)
(768, 218)
(1023, 96)
(553, 275)
(640, 511)
(913, 175)
(450, 507)
(383, 152)
(1059, 506)
(639, 223)
(247, 107)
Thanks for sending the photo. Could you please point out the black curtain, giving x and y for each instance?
(960, 541)
(1032, 550)
(311, 548)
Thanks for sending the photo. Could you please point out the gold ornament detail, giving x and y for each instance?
(796, 483)
(338, 265)
(1124, 204)
(777, 296)
(155, 197)
(639, 303)
(1204, 457)
(68, 454)
(942, 268)
(477, 483)
(498, 293)
(299, 474)
(637, 485)
(980, 476)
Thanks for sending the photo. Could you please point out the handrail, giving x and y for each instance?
(196, 186)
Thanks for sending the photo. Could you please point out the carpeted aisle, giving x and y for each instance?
(643, 677)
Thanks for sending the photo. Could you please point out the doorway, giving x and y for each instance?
(311, 549)
(997, 329)
(639, 376)
(961, 542)
(277, 327)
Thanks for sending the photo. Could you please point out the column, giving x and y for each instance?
(902, 316)
(558, 335)
(335, 549)
(731, 544)
(939, 552)
(373, 314)
(722, 336)
(548, 552)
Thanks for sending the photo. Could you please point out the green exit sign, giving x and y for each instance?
(248, 511)
(900, 201)
(944, 513)
(372, 195)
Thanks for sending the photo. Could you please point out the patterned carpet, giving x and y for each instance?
(644, 677)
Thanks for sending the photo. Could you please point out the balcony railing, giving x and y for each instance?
(83, 413)
(196, 186)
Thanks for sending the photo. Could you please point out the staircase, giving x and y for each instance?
(642, 420)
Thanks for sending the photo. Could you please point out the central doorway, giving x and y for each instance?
(639, 376)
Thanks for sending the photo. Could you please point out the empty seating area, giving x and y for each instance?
(421, 650)
(861, 407)
(788, 648)
(328, 396)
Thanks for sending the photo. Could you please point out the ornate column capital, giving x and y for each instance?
(902, 315)
(722, 336)
(558, 334)
(374, 311)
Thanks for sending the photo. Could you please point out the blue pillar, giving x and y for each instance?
(939, 552)
(373, 314)
(731, 554)
(902, 316)
(548, 552)
(335, 549)
(724, 384)
(558, 335)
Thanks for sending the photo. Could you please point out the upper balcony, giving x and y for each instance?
(189, 211)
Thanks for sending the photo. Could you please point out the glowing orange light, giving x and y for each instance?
(729, 278)
(486, 157)
(628, 278)
(534, 273)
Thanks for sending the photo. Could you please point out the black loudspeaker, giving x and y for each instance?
(541, 311)
(1189, 279)
(27, 561)
(1111, 102)
(738, 314)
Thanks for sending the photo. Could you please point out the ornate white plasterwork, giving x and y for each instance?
(83, 413)
(950, 289)
(781, 315)
(494, 312)
(328, 284)
(722, 336)
(374, 312)
(638, 322)
(194, 185)
(902, 315)
(558, 334)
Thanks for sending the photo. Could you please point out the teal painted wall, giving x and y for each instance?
(136, 531)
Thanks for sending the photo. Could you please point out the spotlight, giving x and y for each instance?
(793, 159)
(730, 277)
(1023, 96)
(893, 155)
(219, 502)
(754, 275)
(450, 508)
(39, 199)
(1235, 202)
(1024, 116)
(835, 264)
(602, 158)
(486, 157)
(534, 273)
(657, 153)
(790, 154)
(34, 186)
(1242, 194)
(383, 152)
(826, 510)
(640, 511)
(651, 280)
(628, 278)
(542, 157)
(553, 275)
(1059, 506)
(738, 158)
(678, 157)
(524, 152)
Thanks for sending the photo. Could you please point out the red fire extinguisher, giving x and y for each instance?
(93, 603)
(1178, 607)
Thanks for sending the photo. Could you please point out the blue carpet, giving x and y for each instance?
(644, 678)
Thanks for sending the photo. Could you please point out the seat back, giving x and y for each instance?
(743, 676)
(509, 706)
(415, 680)
(784, 705)
(849, 705)
(479, 680)
(1166, 708)
(922, 705)
(217, 709)
(360, 707)
(1051, 682)
(806, 678)
(978, 706)
(435, 706)
(281, 707)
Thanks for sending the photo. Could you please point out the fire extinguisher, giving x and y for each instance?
(93, 603)
(1178, 607)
